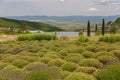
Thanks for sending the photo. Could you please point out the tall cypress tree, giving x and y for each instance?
(88, 29)
(103, 27)
(96, 28)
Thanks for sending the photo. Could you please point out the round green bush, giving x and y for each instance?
(57, 62)
(45, 60)
(53, 56)
(80, 76)
(88, 70)
(101, 53)
(40, 71)
(10, 59)
(74, 57)
(92, 48)
(116, 53)
(29, 58)
(106, 59)
(83, 39)
(91, 63)
(20, 63)
(88, 54)
(11, 73)
(64, 74)
(109, 73)
(69, 66)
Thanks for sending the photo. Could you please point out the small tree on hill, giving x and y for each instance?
(23, 28)
(88, 29)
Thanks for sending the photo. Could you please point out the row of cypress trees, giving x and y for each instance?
(96, 28)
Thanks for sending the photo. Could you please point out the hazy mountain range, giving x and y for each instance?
(66, 22)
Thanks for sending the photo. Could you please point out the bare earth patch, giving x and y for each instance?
(7, 37)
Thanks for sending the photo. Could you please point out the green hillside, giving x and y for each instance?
(6, 23)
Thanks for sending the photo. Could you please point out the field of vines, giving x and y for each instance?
(59, 60)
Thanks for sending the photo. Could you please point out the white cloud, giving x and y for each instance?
(92, 9)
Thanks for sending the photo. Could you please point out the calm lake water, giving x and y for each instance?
(68, 33)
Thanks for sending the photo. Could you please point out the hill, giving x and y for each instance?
(67, 22)
(6, 23)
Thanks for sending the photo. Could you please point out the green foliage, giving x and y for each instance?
(88, 70)
(69, 66)
(6, 23)
(20, 63)
(80, 76)
(57, 62)
(110, 39)
(31, 37)
(88, 29)
(106, 59)
(103, 27)
(116, 53)
(39, 71)
(64, 74)
(74, 58)
(109, 73)
(11, 73)
(83, 39)
(91, 63)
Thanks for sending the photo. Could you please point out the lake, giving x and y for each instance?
(68, 33)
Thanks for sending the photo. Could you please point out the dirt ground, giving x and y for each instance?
(7, 37)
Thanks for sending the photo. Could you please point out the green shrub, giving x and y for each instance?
(64, 74)
(74, 57)
(109, 73)
(91, 63)
(29, 58)
(64, 52)
(106, 59)
(45, 60)
(2, 65)
(10, 59)
(116, 53)
(80, 76)
(88, 54)
(101, 53)
(110, 39)
(53, 56)
(31, 37)
(38, 71)
(69, 66)
(11, 73)
(88, 70)
(57, 62)
(92, 48)
(20, 63)
(83, 39)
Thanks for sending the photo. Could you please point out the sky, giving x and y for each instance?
(59, 7)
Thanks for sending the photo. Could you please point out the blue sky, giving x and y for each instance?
(59, 7)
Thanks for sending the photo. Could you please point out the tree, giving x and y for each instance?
(23, 26)
(88, 29)
(97, 32)
(103, 27)
(113, 28)
(96, 28)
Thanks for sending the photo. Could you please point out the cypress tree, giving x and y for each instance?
(96, 28)
(88, 29)
(103, 26)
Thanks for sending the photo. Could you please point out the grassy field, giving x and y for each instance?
(59, 60)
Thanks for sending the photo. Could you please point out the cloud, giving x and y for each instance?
(92, 9)
(107, 2)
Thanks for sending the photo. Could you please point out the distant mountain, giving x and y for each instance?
(65, 18)
(6, 23)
